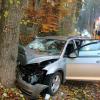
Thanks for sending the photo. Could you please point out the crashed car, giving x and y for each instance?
(48, 61)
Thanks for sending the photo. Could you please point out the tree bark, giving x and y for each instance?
(9, 38)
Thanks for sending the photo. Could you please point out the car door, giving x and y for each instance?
(86, 66)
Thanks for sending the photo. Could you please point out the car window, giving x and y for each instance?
(89, 48)
(50, 46)
(78, 43)
(37, 43)
(70, 48)
(90, 45)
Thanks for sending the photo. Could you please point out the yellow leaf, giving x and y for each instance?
(23, 98)
(18, 1)
(6, 13)
(25, 23)
(28, 21)
(21, 22)
(11, 1)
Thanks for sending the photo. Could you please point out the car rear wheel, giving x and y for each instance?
(54, 82)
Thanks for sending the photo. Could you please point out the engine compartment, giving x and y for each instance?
(33, 73)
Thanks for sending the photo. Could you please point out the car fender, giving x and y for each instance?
(54, 67)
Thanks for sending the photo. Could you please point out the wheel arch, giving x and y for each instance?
(62, 74)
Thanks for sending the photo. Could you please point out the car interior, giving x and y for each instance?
(69, 49)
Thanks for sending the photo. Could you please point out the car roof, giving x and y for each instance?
(65, 37)
(55, 37)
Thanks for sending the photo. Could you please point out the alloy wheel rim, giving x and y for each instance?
(55, 83)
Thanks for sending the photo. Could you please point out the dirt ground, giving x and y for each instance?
(77, 90)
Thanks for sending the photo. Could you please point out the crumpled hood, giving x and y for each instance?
(33, 57)
(41, 59)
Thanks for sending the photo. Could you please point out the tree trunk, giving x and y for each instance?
(9, 37)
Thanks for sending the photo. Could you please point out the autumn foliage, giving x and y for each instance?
(46, 17)
(51, 16)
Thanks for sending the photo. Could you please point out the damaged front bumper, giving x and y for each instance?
(30, 90)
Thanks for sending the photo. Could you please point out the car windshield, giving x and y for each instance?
(50, 46)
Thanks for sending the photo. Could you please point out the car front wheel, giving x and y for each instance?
(54, 82)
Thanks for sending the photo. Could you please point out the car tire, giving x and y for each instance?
(53, 81)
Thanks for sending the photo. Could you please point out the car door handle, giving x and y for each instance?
(98, 61)
(98, 53)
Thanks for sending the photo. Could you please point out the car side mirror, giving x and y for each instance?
(72, 55)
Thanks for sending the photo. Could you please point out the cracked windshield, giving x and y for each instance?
(48, 46)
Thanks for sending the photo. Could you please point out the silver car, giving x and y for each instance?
(47, 62)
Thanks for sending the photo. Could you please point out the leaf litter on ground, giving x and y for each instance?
(77, 90)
